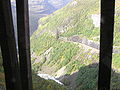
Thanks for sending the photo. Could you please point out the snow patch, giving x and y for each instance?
(48, 77)
(74, 3)
(96, 19)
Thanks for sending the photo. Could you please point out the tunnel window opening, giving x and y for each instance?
(65, 44)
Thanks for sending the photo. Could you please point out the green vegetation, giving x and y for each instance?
(116, 61)
(88, 77)
(51, 44)
(38, 83)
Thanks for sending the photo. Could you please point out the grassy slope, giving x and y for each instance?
(75, 17)
(74, 20)
(78, 22)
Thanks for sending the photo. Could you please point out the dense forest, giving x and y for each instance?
(66, 46)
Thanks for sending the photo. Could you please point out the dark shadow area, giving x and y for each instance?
(87, 78)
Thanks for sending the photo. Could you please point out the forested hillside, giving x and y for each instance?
(66, 44)
(38, 83)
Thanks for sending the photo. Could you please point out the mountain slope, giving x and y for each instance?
(38, 82)
(59, 44)
(39, 9)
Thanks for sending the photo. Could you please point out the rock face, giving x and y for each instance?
(84, 41)
(89, 43)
